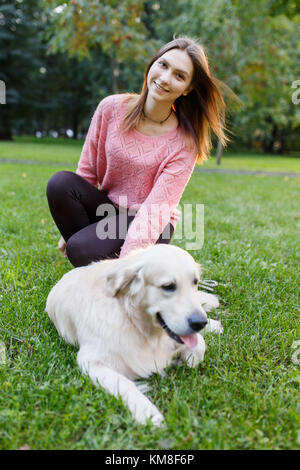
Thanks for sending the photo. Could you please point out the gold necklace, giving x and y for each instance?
(156, 122)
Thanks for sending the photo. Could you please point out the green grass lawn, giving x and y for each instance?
(245, 395)
(68, 151)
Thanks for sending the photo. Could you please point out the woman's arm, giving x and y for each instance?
(155, 213)
(94, 146)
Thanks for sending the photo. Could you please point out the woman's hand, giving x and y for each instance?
(62, 246)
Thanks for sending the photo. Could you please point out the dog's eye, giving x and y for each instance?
(169, 287)
(196, 281)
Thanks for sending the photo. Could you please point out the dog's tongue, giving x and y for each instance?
(190, 341)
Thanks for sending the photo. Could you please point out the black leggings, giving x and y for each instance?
(73, 202)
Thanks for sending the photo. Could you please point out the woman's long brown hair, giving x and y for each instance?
(199, 112)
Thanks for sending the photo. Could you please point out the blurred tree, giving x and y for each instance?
(267, 75)
(97, 48)
(289, 8)
(68, 92)
(80, 26)
(43, 92)
(19, 56)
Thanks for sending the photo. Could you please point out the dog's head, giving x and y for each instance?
(160, 283)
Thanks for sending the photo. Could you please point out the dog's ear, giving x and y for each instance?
(127, 279)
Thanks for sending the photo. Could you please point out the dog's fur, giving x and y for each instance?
(109, 309)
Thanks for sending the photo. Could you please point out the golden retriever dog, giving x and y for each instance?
(131, 316)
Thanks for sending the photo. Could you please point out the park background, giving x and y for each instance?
(58, 60)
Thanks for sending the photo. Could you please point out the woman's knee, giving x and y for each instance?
(81, 250)
(59, 183)
(77, 252)
(83, 247)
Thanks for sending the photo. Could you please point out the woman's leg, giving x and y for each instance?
(85, 246)
(73, 203)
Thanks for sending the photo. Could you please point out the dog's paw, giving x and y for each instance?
(208, 301)
(157, 420)
(214, 326)
(150, 413)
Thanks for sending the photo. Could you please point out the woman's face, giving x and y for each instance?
(170, 76)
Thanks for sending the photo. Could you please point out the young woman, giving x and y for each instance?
(141, 151)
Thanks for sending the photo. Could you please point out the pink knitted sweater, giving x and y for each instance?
(144, 173)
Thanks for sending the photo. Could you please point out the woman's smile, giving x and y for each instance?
(159, 87)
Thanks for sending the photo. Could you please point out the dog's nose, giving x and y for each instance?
(197, 321)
